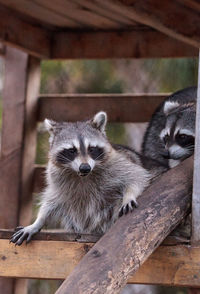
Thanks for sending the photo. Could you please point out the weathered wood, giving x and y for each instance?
(84, 17)
(56, 235)
(120, 107)
(16, 32)
(12, 135)
(62, 235)
(133, 238)
(12, 142)
(92, 5)
(40, 13)
(196, 182)
(143, 43)
(169, 17)
(168, 265)
(29, 140)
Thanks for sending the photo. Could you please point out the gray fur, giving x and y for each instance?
(176, 115)
(88, 204)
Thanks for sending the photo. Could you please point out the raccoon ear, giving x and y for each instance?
(50, 125)
(169, 106)
(99, 121)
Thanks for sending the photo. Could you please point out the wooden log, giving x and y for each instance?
(120, 107)
(133, 238)
(143, 43)
(175, 23)
(14, 95)
(196, 182)
(16, 32)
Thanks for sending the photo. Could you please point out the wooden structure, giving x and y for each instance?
(34, 30)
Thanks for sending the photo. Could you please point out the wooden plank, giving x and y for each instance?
(12, 142)
(168, 265)
(18, 33)
(135, 236)
(62, 235)
(196, 182)
(85, 17)
(57, 235)
(12, 135)
(40, 14)
(29, 140)
(101, 11)
(169, 17)
(120, 107)
(143, 43)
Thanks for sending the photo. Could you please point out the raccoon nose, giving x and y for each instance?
(84, 168)
(166, 154)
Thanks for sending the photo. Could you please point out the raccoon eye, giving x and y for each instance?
(184, 140)
(71, 150)
(66, 155)
(96, 152)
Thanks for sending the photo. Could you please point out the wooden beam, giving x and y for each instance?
(196, 182)
(16, 32)
(141, 43)
(29, 140)
(173, 263)
(120, 107)
(169, 17)
(168, 265)
(14, 95)
(134, 237)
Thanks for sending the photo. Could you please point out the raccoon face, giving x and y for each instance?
(178, 136)
(80, 146)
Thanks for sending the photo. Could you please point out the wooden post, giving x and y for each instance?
(15, 177)
(132, 239)
(196, 180)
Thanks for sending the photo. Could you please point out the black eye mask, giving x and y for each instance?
(184, 140)
(66, 155)
(96, 152)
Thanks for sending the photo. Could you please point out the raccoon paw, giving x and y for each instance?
(128, 207)
(23, 233)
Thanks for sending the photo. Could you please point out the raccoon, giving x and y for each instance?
(90, 182)
(170, 136)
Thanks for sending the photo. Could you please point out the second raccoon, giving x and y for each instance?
(170, 135)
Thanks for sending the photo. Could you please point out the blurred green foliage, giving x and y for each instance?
(173, 74)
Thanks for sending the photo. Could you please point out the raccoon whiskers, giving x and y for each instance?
(100, 155)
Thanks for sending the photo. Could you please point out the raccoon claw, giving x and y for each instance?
(22, 234)
(128, 207)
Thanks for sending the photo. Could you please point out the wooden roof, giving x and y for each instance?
(145, 28)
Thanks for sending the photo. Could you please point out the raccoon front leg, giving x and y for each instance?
(26, 233)
(129, 199)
